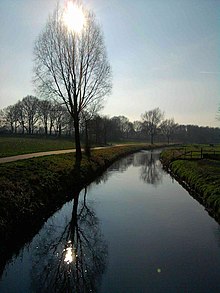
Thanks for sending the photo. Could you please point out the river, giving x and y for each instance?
(133, 230)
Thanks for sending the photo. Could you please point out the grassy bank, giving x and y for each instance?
(33, 189)
(18, 145)
(201, 176)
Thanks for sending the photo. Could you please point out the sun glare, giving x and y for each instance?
(69, 255)
(73, 17)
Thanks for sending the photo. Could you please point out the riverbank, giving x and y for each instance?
(201, 177)
(31, 190)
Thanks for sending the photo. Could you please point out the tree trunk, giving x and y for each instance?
(77, 139)
(60, 130)
(45, 127)
(22, 123)
(87, 143)
(51, 125)
(29, 127)
(152, 138)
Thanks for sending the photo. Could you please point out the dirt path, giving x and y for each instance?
(41, 154)
(34, 155)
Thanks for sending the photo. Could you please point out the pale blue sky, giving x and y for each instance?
(164, 53)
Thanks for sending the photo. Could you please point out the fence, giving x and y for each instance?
(184, 154)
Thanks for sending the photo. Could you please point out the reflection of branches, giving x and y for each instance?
(71, 257)
(150, 171)
(118, 166)
(122, 164)
(148, 161)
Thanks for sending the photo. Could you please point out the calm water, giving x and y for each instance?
(134, 230)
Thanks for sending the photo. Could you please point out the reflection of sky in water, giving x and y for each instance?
(159, 238)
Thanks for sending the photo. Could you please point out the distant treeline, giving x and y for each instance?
(33, 116)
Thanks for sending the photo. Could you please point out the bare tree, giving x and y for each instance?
(20, 115)
(151, 121)
(30, 111)
(168, 128)
(72, 66)
(106, 128)
(125, 126)
(138, 128)
(11, 117)
(3, 124)
(60, 118)
(45, 108)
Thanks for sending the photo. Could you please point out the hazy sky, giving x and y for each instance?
(164, 53)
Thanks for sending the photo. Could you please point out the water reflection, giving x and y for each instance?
(151, 172)
(162, 243)
(70, 257)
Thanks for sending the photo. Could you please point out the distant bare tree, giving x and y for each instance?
(45, 107)
(30, 110)
(20, 115)
(72, 67)
(3, 126)
(86, 118)
(106, 128)
(151, 121)
(138, 128)
(60, 118)
(168, 128)
(11, 118)
(125, 126)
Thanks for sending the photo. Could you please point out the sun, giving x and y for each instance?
(73, 17)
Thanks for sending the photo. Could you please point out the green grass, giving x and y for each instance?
(191, 151)
(203, 176)
(11, 146)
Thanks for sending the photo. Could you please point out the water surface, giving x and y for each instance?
(133, 230)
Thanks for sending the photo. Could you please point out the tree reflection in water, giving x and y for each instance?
(151, 172)
(71, 257)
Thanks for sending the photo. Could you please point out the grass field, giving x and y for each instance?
(11, 146)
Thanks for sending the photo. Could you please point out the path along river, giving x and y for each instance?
(133, 230)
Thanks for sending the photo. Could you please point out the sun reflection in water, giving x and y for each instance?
(69, 254)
